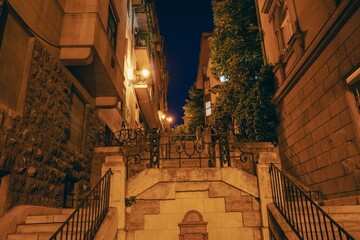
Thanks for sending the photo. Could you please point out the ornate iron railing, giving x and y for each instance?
(85, 221)
(303, 215)
(151, 148)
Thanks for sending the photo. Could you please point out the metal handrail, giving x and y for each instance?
(303, 215)
(85, 221)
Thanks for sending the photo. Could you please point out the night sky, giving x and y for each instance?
(181, 24)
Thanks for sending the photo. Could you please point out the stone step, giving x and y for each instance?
(346, 217)
(37, 228)
(36, 236)
(46, 219)
(337, 217)
(355, 234)
(67, 211)
(30, 236)
(341, 209)
(351, 226)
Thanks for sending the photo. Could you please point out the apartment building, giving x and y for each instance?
(71, 70)
(314, 48)
(205, 79)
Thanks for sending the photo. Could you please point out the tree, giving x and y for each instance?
(194, 109)
(236, 53)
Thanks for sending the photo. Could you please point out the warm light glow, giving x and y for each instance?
(169, 119)
(145, 72)
(163, 116)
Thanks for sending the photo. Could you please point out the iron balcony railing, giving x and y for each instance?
(85, 221)
(153, 148)
(303, 215)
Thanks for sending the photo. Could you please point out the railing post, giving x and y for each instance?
(265, 159)
(117, 190)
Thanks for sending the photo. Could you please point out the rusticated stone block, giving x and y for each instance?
(238, 204)
(145, 207)
(135, 222)
(220, 189)
(251, 218)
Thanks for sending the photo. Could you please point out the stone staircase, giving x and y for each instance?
(40, 227)
(347, 217)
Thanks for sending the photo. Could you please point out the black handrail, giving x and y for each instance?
(85, 221)
(303, 215)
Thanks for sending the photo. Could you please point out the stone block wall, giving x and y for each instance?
(319, 139)
(33, 148)
(229, 212)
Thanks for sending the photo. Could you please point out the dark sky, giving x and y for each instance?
(181, 24)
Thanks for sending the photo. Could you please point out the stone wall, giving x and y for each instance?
(319, 142)
(34, 147)
(229, 212)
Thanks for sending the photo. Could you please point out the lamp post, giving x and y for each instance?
(166, 121)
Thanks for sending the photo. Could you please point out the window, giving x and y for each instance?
(208, 108)
(112, 26)
(286, 31)
(77, 122)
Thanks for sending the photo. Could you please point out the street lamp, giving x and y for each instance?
(169, 120)
(166, 120)
(145, 73)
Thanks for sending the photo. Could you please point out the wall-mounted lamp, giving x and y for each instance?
(141, 76)
(145, 73)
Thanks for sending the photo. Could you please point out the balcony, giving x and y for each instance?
(144, 91)
(143, 50)
(88, 54)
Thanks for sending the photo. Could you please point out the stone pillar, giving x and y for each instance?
(265, 159)
(117, 190)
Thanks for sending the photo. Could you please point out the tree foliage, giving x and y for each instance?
(194, 110)
(236, 53)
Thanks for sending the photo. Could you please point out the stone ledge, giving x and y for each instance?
(234, 177)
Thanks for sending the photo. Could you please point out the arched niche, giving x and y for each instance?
(193, 227)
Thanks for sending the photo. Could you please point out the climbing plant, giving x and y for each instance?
(245, 99)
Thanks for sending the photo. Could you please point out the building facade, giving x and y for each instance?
(205, 80)
(314, 48)
(71, 70)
